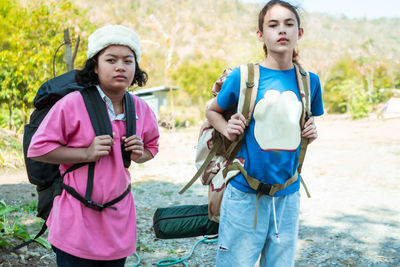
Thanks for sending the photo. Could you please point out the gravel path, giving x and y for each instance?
(352, 218)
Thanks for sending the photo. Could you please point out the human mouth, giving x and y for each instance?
(120, 77)
(283, 40)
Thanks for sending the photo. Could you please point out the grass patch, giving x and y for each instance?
(14, 225)
(11, 155)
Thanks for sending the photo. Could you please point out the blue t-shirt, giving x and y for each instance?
(271, 145)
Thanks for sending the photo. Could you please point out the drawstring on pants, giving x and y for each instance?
(276, 235)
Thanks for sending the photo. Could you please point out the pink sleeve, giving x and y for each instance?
(146, 125)
(56, 128)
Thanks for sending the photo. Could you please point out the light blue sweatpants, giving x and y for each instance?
(239, 244)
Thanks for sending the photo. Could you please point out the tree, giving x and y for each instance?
(30, 33)
(197, 79)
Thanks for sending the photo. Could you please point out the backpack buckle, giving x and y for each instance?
(94, 205)
(307, 116)
(250, 84)
(303, 72)
(264, 188)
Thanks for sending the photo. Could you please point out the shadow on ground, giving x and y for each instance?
(352, 240)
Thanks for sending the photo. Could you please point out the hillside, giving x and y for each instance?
(187, 43)
(198, 31)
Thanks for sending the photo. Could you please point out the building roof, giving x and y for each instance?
(154, 89)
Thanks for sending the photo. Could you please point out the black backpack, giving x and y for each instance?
(46, 176)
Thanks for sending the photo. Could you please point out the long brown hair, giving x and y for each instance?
(264, 11)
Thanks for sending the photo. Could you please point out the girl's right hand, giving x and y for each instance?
(236, 126)
(101, 146)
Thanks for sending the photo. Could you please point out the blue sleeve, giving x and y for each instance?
(229, 93)
(317, 107)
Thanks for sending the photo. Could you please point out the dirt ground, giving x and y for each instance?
(352, 218)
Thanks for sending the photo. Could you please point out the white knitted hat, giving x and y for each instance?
(113, 35)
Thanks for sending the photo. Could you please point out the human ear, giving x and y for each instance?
(301, 31)
(260, 36)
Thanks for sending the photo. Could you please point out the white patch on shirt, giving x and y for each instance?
(277, 117)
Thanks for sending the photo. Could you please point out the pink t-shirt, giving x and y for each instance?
(74, 228)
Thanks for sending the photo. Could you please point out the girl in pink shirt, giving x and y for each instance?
(80, 235)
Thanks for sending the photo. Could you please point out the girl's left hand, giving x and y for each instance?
(310, 130)
(135, 145)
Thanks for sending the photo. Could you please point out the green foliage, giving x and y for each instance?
(30, 33)
(197, 79)
(358, 100)
(11, 226)
(10, 149)
(9, 142)
(30, 208)
(356, 85)
(4, 209)
(335, 98)
(5, 160)
(336, 94)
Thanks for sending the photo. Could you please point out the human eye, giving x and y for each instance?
(290, 23)
(129, 61)
(110, 60)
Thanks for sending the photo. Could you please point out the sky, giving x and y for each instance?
(370, 9)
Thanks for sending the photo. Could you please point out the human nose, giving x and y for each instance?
(120, 66)
(282, 29)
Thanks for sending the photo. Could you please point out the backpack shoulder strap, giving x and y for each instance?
(303, 83)
(249, 78)
(130, 114)
(97, 111)
(130, 118)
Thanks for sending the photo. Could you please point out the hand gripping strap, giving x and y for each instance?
(249, 78)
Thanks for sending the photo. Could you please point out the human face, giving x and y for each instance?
(115, 68)
(280, 31)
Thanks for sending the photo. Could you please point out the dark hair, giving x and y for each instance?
(87, 76)
(264, 11)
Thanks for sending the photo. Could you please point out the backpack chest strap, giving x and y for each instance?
(93, 205)
(261, 188)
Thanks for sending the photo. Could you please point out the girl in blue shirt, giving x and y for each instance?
(270, 148)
